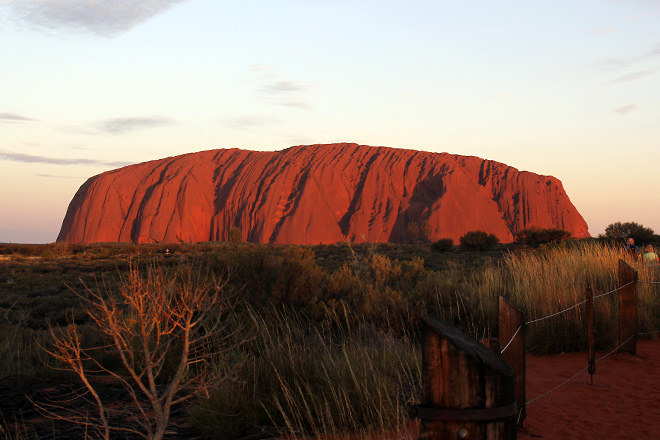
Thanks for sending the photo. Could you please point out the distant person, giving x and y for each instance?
(650, 257)
(632, 250)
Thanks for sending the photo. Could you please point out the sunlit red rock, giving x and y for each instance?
(315, 194)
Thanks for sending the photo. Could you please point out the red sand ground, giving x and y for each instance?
(623, 403)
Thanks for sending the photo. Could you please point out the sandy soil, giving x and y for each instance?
(623, 402)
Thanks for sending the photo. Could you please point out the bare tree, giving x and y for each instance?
(171, 332)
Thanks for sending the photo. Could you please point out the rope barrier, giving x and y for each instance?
(529, 402)
(615, 349)
(569, 308)
(519, 414)
(555, 314)
(615, 290)
(511, 340)
(574, 306)
(584, 301)
(564, 311)
(578, 373)
(597, 360)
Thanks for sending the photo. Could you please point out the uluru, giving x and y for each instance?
(315, 194)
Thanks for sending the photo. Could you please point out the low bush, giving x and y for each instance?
(442, 245)
(478, 240)
(538, 236)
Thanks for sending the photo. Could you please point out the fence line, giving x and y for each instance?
(504, 375)
(615, 290)
(557, 313)
(593, 361)
(574, 306)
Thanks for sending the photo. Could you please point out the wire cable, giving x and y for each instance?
(620, 345)
(579, 372)
(615, 290)
(581, 302)
(558, 386)
(563, 311)
(512, 338)
(557, 313)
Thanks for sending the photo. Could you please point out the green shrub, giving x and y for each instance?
(442, 245)
(620, 232)
(537, 236)
(235, 236)
(478, 240)
(298, 278)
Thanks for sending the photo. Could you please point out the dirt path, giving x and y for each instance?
(623, 402)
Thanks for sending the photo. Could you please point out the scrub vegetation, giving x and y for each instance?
(308, 339)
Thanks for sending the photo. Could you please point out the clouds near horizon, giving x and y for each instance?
(13, 117)
(278, 91)
(105, 18)
(52, 176)
(30, 158)
(250, 123)
(126, 125)
(626, 109)
(634, 76)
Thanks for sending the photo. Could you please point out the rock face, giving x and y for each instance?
(315, 194)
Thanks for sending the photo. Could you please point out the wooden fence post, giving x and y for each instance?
(512, 331)
(627, 308)
(591, 354)
(467, 390)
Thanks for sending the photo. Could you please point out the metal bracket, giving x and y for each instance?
(464, 415)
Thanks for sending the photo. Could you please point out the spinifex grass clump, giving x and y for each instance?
(304, 378)
(648, 299)
(545, 282)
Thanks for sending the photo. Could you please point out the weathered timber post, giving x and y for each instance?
(627, 308)
(467, 390)
(512, 331)
(591, 354)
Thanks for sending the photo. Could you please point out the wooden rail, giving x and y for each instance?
(467, 388)
(591, 337)
(627, 308)
(512, 332)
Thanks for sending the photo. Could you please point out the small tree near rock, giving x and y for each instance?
(171, 333)
(478, 240)
(235, 236)
(620, 232)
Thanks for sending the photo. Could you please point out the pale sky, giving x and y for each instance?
(568, 88)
